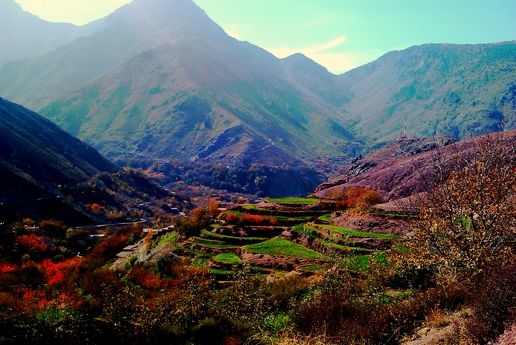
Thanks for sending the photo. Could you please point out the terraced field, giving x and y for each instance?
(282, 236)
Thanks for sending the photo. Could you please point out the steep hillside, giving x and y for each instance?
(439, 89)
(405, 167)
(23, 35)
(45, 172)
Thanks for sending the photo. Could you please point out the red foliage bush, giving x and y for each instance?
(253, 219)
(32, 243)
(6, 267)
(55, 273)
(33, 298)
(146, 279)
(231, 218)
(109, 247)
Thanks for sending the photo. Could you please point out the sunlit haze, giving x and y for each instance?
(339, 34)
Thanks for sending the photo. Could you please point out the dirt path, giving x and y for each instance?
(433, 335)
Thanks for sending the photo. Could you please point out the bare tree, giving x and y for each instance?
(466, 218)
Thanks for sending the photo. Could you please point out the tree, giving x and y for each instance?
(466, 220)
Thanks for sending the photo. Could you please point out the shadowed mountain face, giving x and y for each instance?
(36, 157)
(44, 151)
(47, 173)
(159, 80)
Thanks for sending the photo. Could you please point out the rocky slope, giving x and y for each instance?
(406, 166)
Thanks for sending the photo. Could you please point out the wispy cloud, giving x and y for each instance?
(322, 53)
(282, 52)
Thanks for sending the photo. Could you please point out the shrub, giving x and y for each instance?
(108, 248)
(33, 243)
(145, 278)
(53, 227)
(56, 273)
(357, 197)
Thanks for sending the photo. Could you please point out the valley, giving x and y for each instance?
(165, 182)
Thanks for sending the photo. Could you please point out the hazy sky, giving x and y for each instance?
(339, 34)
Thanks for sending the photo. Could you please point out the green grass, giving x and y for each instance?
(358, 263)
(207, 240)
(170, 238)
(300, 229)
(213, 244)
(325, 217)
(251, 207)
(281, 247)
(294, 201)
(227, 259)
(236, 213)
(192, 251)
(356, 233)
(199, 262)
(329, 241)
(295, 218)
(361, 262)
(220, 272)
(340, 246)
(311, 268)
(228, 237)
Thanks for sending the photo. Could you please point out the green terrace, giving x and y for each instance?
(326, 239)
(280, 247)
(227, 259)
(356, 233)
(293, 201)
(230, 238)
(211, 244)
(255, 230)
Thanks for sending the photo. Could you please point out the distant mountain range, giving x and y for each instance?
(47, 173)
(439, 89)
(159, 80)
(23, 35)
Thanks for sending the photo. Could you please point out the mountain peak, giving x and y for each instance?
(301, 63)
(165, 19)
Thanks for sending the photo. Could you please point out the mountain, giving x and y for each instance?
(439, 89)
(158, 82)
(405, 167)
(171, 58)
(47, 173)
(23, 35)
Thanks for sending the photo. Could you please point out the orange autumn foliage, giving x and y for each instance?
(96, 208)
(357, 197)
